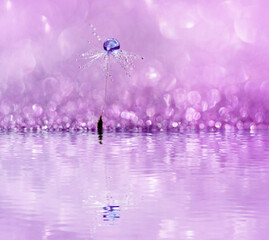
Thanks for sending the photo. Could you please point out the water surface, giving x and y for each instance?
(206, 186)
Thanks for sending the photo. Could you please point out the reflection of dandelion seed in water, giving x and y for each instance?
(111, 49)
(111, 213)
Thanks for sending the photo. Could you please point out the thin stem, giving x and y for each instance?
(107, 77)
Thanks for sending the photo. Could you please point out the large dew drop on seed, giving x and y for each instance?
(111, 45)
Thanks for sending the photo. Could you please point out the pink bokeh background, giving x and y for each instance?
(205, 67)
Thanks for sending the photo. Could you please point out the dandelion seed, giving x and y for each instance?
(111, 49)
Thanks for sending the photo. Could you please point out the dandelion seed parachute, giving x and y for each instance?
(111, 47)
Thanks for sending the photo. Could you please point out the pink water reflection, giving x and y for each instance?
(134, 186)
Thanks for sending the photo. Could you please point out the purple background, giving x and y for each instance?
(205, 66)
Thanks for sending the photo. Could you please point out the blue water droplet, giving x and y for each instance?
(111, 45)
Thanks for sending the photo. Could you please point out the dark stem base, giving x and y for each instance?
(100, 129)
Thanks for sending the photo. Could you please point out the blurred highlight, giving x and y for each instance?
(205, 65)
